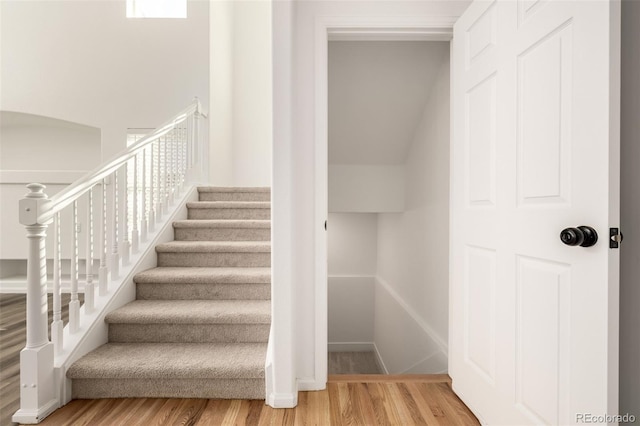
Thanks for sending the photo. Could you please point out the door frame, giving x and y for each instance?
(354, 28)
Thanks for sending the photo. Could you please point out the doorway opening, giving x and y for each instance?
(388, 206)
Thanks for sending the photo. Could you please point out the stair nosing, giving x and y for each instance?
(145, 313)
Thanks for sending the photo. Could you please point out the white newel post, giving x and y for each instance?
(37, 390)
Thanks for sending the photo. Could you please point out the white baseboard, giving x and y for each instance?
(444, 347)
(379, 360)
(311, 384)
(350, 346)
(436, 362)
(282, 400)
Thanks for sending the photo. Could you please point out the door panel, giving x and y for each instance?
(534, 98)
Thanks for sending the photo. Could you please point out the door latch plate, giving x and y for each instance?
(615, 238)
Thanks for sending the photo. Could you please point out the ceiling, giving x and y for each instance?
(377, 94)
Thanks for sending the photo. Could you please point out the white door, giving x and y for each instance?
(534, 322)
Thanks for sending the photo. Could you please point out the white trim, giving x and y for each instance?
(444, 347)
(282, 400)
(310, 384)
(426, 358)
(350, 346)
(325, 27)
(24, 416)
(379, 360)
(351, 276)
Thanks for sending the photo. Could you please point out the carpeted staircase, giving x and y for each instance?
(200, 322)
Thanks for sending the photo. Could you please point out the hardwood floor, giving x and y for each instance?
(353, 363)
(348, 400)
(13, 336)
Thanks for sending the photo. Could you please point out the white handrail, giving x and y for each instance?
(79, 187)
(41, 387)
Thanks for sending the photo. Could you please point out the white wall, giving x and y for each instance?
(352, 244)
(352, 241)
(221, 96)
(413, 246)
(366, 188)
(241, 93)
(297, 154)
(630, 212)
(85, 62)
(38, 149)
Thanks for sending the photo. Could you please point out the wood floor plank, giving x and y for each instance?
(12, 340)
(302, 411)
(318, 407)
(402, 403)
(382, 417)
(364, 401)
(214, 412)
(255, 410)
(140, 417)
(421, 404)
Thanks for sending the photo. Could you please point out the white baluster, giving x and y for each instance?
(170, 169)
(143, 197)
(125, 245)
(152, 190)
(180, 161)
(198, 148)
(191, 146)
(57, 324)
(74, 304)
(115, 256)
(159, 193)
(134, 230)
(103, 272)
(89, 298)
(165, 176)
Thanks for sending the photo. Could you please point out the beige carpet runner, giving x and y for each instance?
(200, 322)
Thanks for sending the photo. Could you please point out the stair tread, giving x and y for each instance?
(204, 275)
(234, 189)
(221, 223)
(229, 205)
(214, 247)
(172, 361)
(192, 312)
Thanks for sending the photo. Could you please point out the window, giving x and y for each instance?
(156, 8)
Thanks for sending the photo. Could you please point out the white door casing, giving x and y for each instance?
(380, 28)
(535, 149)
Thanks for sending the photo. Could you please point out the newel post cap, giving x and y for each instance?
(32, 205)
